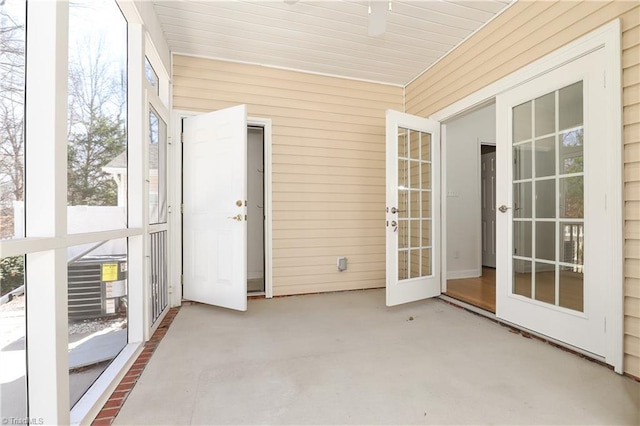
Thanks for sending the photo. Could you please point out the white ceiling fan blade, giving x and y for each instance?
(377, 18)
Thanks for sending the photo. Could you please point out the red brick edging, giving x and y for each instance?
(111, 408)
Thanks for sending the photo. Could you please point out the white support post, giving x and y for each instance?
(46, 212)
(137, 203)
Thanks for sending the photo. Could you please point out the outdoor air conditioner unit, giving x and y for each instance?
(97, 286)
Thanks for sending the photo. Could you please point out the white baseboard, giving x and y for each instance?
(469, 273)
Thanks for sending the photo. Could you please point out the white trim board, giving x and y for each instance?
(606, 37)
(275, 67)
(459, 275)
(176, 200)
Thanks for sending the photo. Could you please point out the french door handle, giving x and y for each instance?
(503, 208)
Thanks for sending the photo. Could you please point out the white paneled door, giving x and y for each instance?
(488, 207)
(214, 218)
(413, 208)
(554, 246)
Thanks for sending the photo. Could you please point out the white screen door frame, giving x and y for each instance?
(416, 219)
(607, 38)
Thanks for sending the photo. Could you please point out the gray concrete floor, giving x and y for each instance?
(344, 358)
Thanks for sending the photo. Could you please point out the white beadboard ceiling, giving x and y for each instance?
(326, 37)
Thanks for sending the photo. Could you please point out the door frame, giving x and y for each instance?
(607, 37)
(175, 184)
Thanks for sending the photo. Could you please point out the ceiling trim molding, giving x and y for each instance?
(364, 80)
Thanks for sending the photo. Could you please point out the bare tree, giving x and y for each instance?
(96, 126)
(12, 58)
(12, 77)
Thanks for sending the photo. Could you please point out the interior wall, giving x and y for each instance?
(462, 146)
(328, 165)
(522, 34)
(255, 203)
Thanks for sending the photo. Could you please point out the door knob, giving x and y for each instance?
(394, 210)
(394, 223)
(503, 208)
(237, 217)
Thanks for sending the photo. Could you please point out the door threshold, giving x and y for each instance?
(525, 332)
(468, 307)
(256, 295)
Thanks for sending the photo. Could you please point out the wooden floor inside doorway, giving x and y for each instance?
(480, 291)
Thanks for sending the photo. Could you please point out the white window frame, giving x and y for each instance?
(159, 102)
(606, 37)
(47, 239)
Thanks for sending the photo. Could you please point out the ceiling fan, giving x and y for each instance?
(377, 15)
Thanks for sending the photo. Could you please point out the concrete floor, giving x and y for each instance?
(344, 358)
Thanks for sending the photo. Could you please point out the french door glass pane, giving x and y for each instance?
(545, 240)
(522, 277)
(545, 115)
(572, 197)
(522, 245)
(545, 283)
(545, 199)
(545, 157)
(571, 106)
(522, 122)
(570, 155)
(522, 161)
(548, 198)
(571, 288)
(522, 200)
(414, 225)
(572, 243)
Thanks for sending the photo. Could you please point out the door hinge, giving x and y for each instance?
(181, 137)
(182, 279)
(181, 208)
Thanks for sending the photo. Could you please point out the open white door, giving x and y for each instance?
(554, 243)
(413, 208)
(214, 218)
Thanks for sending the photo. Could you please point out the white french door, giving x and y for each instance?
(413, 208)
(553, 242)
(214, 218)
